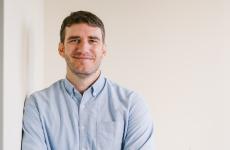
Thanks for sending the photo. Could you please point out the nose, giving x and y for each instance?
(83, 46)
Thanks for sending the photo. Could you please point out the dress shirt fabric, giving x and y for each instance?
(106, 117)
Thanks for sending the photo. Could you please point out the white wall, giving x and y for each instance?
(23, 63)
(174, 52)
(1, 73)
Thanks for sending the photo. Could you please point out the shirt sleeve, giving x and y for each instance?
(140, 129)
(32, 131)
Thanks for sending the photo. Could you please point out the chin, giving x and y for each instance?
(84, 73)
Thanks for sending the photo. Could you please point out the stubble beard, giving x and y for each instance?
(82, 74)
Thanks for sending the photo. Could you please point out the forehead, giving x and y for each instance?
(83, 29)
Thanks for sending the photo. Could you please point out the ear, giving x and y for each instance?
(104, 49)
(61, 49)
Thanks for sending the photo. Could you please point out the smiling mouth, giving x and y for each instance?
(82, 57)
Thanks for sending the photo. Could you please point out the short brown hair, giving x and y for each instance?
(81, 17)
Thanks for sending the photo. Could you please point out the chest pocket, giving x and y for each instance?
(109, 135)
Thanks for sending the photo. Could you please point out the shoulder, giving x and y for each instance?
(128, 97)
(118, 88)
(44, 95)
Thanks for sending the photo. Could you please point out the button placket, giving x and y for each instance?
(82, 123)
(82, 106)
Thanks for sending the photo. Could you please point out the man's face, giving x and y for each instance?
(83, 49)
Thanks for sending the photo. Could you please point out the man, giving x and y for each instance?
(85, 111)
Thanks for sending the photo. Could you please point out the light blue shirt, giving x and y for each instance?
(105, 117)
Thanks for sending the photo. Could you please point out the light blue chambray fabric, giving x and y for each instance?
(105, 117)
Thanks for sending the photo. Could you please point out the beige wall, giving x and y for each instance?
(1, 73)
(22, 63)
(174, 52)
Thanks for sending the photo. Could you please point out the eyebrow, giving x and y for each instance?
(78, 37)
(73, 37)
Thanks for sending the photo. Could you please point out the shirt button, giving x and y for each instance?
(82, 127)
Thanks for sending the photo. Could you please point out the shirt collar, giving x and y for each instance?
(98, 85)
(69, 87)
(95, 88)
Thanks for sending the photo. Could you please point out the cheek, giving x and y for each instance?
(69, 47)
(68, 51)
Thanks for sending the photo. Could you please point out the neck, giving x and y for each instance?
(82, 82)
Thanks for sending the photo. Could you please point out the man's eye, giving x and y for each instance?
(74, 41)
(93, 41)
